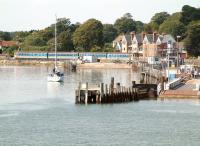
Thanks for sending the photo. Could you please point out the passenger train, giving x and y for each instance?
(71, 55)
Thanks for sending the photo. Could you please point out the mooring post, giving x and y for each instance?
(86, 93)
(112, 85)
(118, 87)
(101, 92)
(79, 92)
(133, 84)
(106, 93)
(106, 89)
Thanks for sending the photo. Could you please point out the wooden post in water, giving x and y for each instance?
(101, 92)
(118, 87)
(106, 93)
(133, 84)
(86, 93)
(112, 85)
(79, 93)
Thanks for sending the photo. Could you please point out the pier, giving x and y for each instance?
(113, 93)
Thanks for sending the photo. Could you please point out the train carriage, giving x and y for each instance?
(70, 55)
(31, 55)
(64, 55)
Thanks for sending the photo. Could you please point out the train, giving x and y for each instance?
(71, 55)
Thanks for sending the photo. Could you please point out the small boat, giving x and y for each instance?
(56, 75)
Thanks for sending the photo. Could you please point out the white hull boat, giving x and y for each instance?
(56, 75)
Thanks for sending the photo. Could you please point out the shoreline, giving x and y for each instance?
(65, 63)
(15, 62)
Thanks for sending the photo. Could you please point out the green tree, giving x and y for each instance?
(109, 33)
(20, 35)
(173, 25)
(139, 26)
(189, 14)
(88, 35)
(66, 43)
(5, 36)
(192, 41)
(125, 25)
(151, 27)
(128, 15)
(159, 18)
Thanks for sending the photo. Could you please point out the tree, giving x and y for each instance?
(65, 40)
(20, 35)
(173, 26)
(88, 35)
(159, 18)
(189, 14)
(128, 15)
(109, 33)
(5, 36)
(192, 41)
(139, 26)
(63, 24)
(151, 27)
(125, 25)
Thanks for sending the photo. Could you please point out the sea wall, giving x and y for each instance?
(104, 65)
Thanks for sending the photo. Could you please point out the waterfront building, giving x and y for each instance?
(152, 47)
(6, 44)
(117, 43)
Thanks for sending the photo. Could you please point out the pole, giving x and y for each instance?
(177, 55)
(168, 67)
(168, 53)
(56, 43)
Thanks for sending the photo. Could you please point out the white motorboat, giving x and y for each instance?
(56, 75)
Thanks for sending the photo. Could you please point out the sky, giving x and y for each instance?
(17, 15)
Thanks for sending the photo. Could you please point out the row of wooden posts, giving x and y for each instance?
(86, 94)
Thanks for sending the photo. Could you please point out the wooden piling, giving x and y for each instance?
(112, 85)
(101, 92)
(86, 93)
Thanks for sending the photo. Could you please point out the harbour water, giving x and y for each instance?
(34, 112)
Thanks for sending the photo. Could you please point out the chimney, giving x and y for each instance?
(132, 34)
(143, 35)
(154, 36)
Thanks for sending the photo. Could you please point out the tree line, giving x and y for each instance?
(94, 36)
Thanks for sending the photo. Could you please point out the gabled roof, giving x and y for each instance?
(138, 38)
(160, 37)
(8, 43)
(150, 37)
(118, 38)
(128, 38)
(167, 38)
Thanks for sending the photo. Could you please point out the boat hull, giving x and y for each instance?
(55, 78)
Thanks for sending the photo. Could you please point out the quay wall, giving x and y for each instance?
(104, 65)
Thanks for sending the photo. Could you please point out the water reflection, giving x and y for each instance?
(53, 88)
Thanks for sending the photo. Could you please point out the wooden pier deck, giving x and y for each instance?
(114, 93)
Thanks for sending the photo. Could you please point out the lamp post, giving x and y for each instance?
(178, 51)
(168, 53)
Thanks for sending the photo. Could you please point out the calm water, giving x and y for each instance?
(37, 113)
